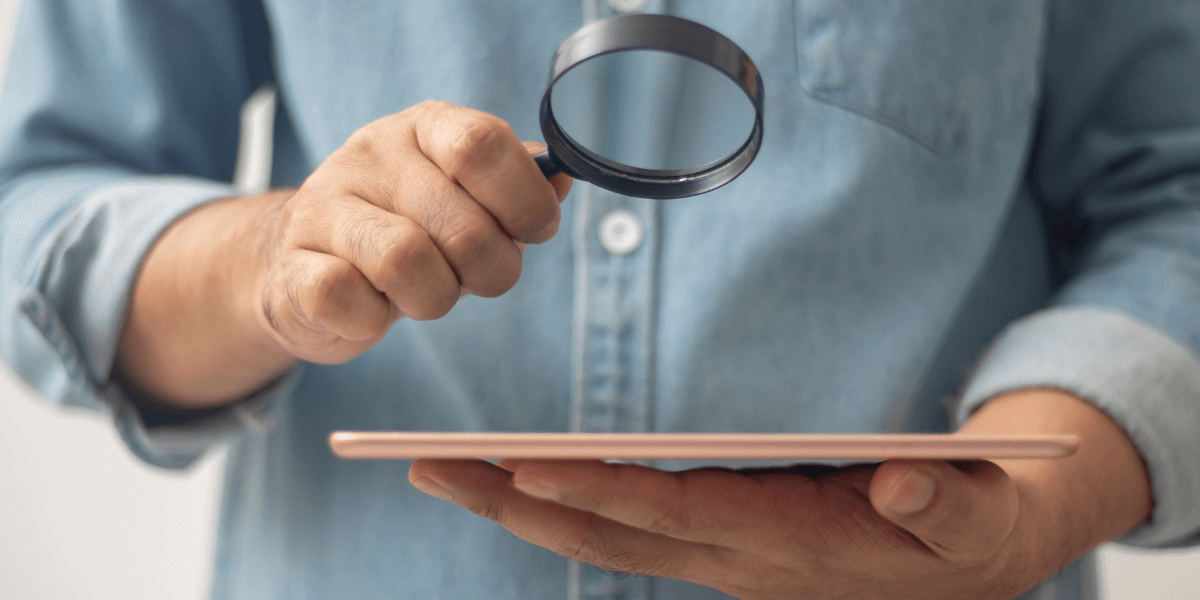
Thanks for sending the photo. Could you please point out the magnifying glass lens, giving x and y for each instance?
(652, 110)
(651, 106)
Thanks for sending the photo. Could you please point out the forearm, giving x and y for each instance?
(192, 338)
(1068, 506)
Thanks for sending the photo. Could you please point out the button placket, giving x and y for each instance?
(612, 368)
(613, 353)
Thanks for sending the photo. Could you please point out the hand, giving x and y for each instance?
(413, 211)
(901, 529)
(905, 529)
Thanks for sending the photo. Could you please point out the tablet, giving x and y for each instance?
(696, 446)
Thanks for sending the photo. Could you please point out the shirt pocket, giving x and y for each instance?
(946, 73)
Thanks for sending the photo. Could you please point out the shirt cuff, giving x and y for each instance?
(178, 444)
(77, 300)
(1147, 382)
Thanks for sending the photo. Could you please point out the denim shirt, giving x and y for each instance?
(953, 199)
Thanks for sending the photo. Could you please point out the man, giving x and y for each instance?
(938, 177)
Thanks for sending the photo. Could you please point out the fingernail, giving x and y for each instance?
(912, 494)
(538, 489)
(433, 488)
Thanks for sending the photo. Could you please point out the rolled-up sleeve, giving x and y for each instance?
(1117, 170)
(118, 117)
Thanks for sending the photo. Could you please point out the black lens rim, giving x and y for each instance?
(663, 33)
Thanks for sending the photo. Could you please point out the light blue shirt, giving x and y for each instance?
(953, 199)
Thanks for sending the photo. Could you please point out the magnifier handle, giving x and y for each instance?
(547, 164)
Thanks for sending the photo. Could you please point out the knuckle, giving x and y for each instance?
(362, 142)
(325, 293)
(478, 255)
(586, 544)
(363, 148)
(671, 521)
(446, 303)
(671, 516)
(433, 308)
(578, 546)
(404, 271)
(529, 223)
(401, 253)
(478, 142)
(363, 163)
(493, 511)
(432, 106)
(470, 242)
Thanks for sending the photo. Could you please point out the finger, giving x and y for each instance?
(383, 164)
(963, 511)
(562, 182)
(486, 490)
(396, 256)
(481, 153)
(709, 506)
(323, 309)
(485, 259)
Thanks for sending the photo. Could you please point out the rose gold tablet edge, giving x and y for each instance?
(359, 445)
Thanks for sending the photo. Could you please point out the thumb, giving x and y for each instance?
(963, 511)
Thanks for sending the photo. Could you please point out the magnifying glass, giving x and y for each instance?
(651, 106)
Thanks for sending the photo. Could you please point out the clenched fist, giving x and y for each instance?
(414, 210)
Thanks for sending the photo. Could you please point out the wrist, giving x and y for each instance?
(190, 339)
(1068, 507)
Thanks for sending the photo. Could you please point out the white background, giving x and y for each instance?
(80, 518)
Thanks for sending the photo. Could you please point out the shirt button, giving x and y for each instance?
(621, 232)
(627, 6)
